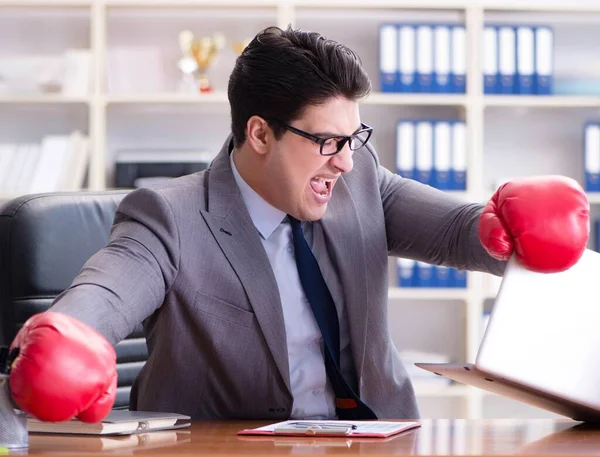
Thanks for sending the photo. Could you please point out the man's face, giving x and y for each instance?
(300, 180)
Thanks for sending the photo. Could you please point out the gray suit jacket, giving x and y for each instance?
(186, 260)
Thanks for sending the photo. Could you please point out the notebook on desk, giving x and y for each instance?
(118, 422)
(66, 444)
(542, 342)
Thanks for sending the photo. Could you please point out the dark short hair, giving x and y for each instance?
(281, 72)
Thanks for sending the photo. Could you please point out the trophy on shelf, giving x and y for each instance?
(198, 57)
(187, 65)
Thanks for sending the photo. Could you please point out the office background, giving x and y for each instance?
(94, 94)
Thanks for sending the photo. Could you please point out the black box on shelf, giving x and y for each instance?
(142, 167)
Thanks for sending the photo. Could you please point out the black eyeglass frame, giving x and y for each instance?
(342, 139)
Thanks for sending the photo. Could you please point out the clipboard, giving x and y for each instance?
(332, 429)
(118, 422)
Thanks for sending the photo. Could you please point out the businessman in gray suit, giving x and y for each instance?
(262, 282)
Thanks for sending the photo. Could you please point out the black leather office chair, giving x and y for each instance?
(44, 241)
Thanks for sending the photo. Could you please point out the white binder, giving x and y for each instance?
(425, 275)
(544, 49)
(490, 60)
(441, 64)
(592, 157)
(424, 160)
(507, 59)
(525, 60)
(407, 59)
(31, 153)
(52, 160)
(405, 149)
(459, 59)
(424, 58)
(459, 156)
(406, 272)
(388, 57)
(442, 155)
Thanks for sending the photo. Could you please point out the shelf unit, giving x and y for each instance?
(33, 99)
(109, 115)
(399, 293)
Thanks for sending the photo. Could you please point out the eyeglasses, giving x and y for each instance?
(334, 144)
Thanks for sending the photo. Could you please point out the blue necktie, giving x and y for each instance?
(347, 403)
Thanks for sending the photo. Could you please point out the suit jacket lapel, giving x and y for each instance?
(343, 231)
(234, 231)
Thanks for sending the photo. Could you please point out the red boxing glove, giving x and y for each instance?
(543, 219)
(64, 369)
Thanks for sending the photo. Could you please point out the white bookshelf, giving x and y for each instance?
(506, 134)
(167, 98)
(40, 99)
(555, 101)
(399, 293)
(378, 98)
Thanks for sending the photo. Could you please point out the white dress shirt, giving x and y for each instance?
(311, 390)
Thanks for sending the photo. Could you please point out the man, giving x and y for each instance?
(262, 282)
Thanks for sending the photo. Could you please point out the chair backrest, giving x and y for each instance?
(44, 241)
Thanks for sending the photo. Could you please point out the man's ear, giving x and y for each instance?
(259, 134)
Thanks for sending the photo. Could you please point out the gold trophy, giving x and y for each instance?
(204, 51)
(198, 56)
(187, 65)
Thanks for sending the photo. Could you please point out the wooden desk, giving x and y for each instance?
(435, 437)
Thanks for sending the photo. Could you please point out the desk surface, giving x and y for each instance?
(434, 437)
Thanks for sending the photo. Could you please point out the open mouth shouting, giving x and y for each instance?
(322, 187)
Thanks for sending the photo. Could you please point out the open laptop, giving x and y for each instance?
(542, 342)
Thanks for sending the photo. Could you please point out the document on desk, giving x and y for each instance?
(365, 429)
(118, 422)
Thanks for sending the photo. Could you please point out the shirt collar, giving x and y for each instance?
(266, 217)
